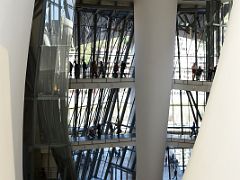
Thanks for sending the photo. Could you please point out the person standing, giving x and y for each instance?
(123, 66)
(194, 70)
(84, 69)
(101, 70)
(70, 68)
(76, 70)
(199, 73)
(94, 69)
(166, 161)
(193, 130)
(210, 74)
(115, 70)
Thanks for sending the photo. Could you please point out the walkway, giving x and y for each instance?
(100, 83)
(187, 85)
(81, 143)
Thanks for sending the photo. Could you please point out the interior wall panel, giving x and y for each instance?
(15, 20)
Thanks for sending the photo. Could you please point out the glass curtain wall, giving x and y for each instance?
(47, 154)
(103, 41)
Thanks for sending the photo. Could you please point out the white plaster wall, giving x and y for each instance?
(216, 152)
(154, 37)
(15, 27)
(7, 170)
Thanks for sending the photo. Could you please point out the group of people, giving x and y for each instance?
(95, 70)
(93, 131)
(76, 68)
(197, 72)
(122, 69)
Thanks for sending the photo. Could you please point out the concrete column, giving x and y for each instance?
(154, 36)
(15, 20)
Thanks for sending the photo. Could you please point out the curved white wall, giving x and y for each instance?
(7, 170)
(216, 152)
(15, 20)
(154, 37)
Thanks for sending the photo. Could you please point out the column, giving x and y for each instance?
(155, 22)
(15, 20)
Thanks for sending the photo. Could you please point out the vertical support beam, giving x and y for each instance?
(99, 107)
(129, 45)
(178, 49)
(222, 22)
(79, 35)
(75, 112)
(217, 28)
(121, 40)
(132, 123)
(179, 69)
(196, 36)
(99, 162)
(94, 37)
(195, 104)
(79, 53)
(169, 167)
(191, 106)
(78, 162)
(210, 35)
(125, 105)
(183, 160)
(109, 113)
(118, 109)
(133, 167)
(92, 167)
(109, 29)
(155, 23)
(86, 165)
(196, 50)
(111, 153)
(181, 111)
(88, 111)
(124, 150)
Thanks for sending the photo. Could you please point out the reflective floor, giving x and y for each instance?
(166, 174)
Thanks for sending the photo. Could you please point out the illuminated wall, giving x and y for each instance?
(15, 20)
